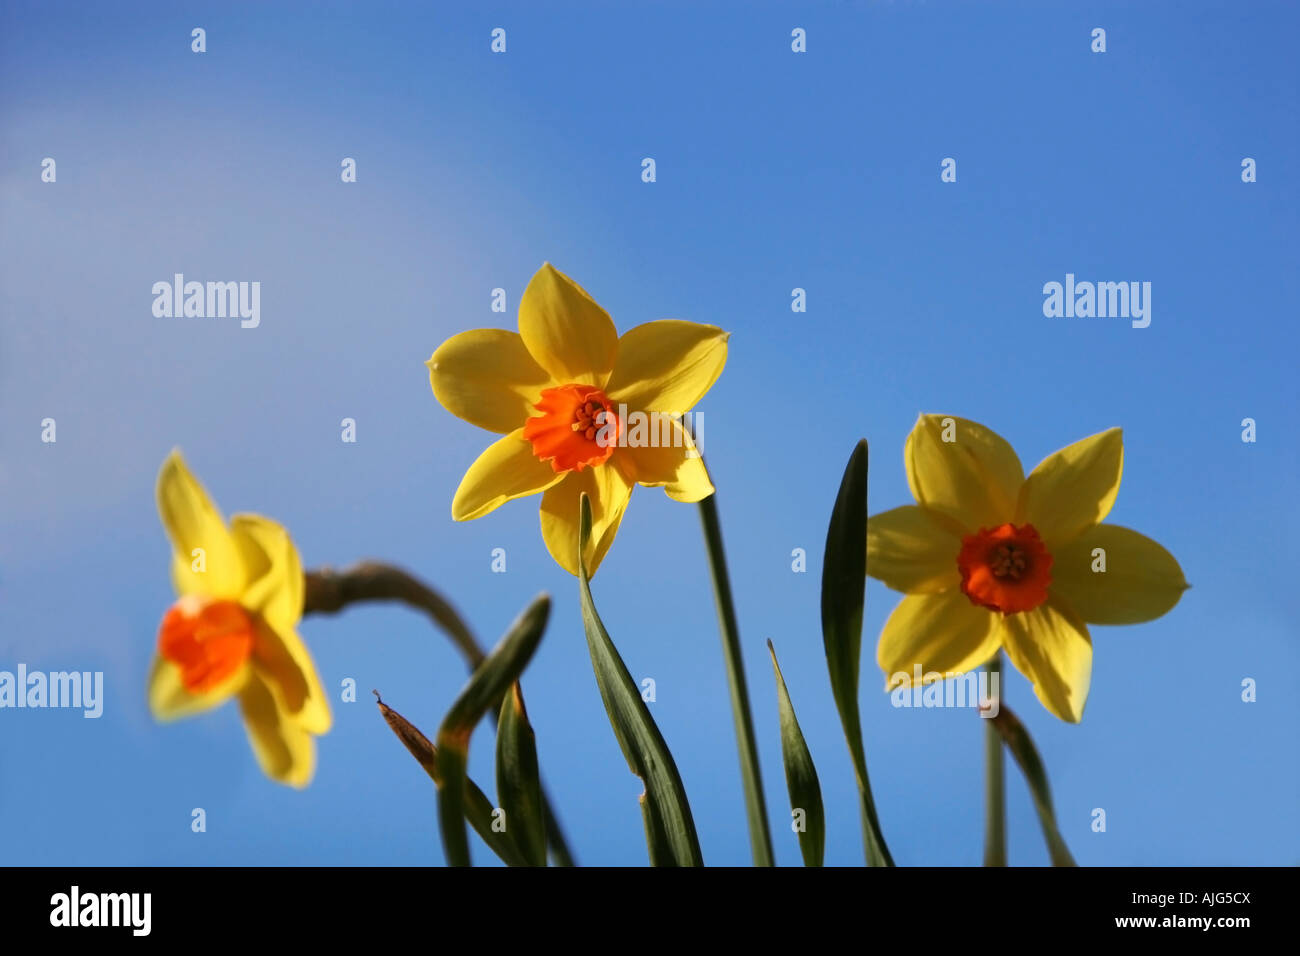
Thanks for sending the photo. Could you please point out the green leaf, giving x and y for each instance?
(478, 808)
(800, 775)
(844, 585)
(670, 830)
(1022, 748)
(489, 681)
(760, 838)
(519, 788)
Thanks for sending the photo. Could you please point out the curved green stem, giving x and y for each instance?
(327, 591)
(760, 838)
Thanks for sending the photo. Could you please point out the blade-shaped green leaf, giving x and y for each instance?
(519, 787)
(670, 830)
(1022, 748)
(656, 840)
(844, 585)
(478, 808)
(800, 777)
(751, 776)
(489, 681)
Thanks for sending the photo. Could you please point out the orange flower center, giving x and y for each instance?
(1005, 569)
(578, 427)
(208, 640)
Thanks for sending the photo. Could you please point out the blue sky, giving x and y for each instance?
(775, 170)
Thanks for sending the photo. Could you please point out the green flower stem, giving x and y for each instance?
(760, 838)
(995, 807)
(327, 591)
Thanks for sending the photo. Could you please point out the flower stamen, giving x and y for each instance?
(1008, 561)
(1005, 569)
(578, 427)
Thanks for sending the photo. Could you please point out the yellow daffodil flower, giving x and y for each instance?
(990, 559)
(580, 408)
(232, 633)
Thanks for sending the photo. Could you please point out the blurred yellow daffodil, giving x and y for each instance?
(581, 410)
(232, 633)
(990, 559)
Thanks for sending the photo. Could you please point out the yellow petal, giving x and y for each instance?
(1073, 489)
(667, 365)
(1140, 581)
(566, 332)
(609, 490)
(487, 378)
(169, 700)
(671, 462)
(1051, 647)
(193, 524)
(285, 750)
(911, 551)
(507, 470)
(964, 472)
(283, 660)
(944, 634)
(274, 588)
